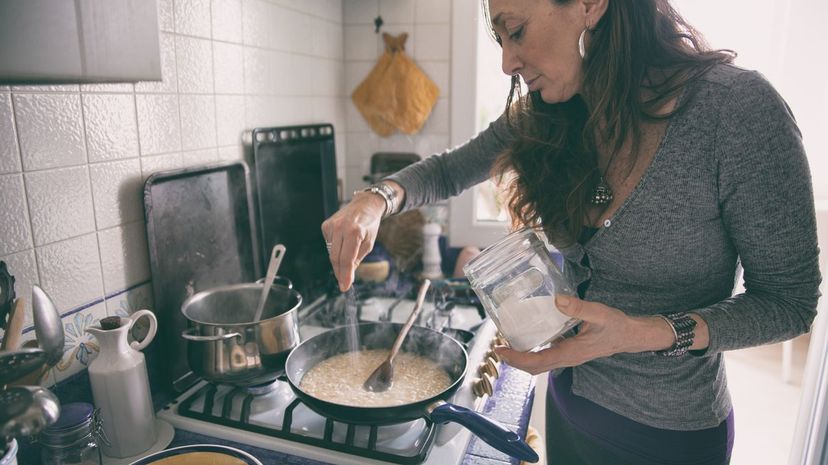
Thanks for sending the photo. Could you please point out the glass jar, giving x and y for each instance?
(73, 439)
(516, 281)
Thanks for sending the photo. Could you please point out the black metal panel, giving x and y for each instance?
(296, 190)
(200, 234)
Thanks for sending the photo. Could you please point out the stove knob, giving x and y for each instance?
(492, 355)
(483, 386)
(489, 367)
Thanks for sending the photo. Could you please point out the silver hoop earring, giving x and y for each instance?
(581, 46)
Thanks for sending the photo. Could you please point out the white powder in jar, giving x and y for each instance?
(530, 322)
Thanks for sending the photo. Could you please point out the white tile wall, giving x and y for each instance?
(9, 154)
(427, 23)
(50, 130)
(226, 15)
(15, 228)
(70, 271)
(60, 202)
(73, 158)
(111, 129)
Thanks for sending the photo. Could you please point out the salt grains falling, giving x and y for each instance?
(351, 310)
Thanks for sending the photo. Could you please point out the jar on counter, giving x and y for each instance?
(516, 281)
(74, 438)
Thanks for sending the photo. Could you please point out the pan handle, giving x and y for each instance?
(188, 335)
(495, 434)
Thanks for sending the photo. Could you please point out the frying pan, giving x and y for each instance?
(435, 346)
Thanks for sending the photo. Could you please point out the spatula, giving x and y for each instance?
(272, 268)
(380, 380)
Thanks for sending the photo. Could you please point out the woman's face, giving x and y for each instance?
(540, 43)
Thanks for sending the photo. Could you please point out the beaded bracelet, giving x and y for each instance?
(683, 327)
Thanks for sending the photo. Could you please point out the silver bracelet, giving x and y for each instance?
(388, 194)
(683, 327)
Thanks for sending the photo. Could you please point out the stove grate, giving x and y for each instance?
(187, 407)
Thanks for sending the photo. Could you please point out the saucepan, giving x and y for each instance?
(225, 345)
(440, 348)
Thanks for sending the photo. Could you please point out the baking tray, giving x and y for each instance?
(201, 234)
(296, 190)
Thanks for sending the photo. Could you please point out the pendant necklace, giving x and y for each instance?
(602, 193)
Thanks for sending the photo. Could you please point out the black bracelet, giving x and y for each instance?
(683, 329)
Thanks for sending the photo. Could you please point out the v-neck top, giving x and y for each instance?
(729, 186)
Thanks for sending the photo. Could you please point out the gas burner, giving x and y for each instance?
(262, 389)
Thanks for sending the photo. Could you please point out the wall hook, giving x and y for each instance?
(378, 22)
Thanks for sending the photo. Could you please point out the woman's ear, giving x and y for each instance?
(593, 11)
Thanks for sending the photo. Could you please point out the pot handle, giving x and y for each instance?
(188, 335)
(492, 432)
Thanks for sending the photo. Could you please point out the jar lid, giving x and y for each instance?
(74, 417)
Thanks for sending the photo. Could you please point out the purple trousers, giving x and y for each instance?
(580, 432)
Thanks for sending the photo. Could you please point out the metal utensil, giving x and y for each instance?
(19, 363)
(272, 268)
(380, 380)
(48, 327)
(14, 328)
(26, 410)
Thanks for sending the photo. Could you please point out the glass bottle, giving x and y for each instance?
(516, 281)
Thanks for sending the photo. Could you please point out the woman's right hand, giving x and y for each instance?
(351, 233)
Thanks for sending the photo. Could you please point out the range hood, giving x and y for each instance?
(78, 41)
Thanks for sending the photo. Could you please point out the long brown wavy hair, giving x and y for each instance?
(638, 45)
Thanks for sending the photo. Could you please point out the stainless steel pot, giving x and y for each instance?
(226, 346)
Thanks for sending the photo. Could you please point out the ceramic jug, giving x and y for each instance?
(120, 388)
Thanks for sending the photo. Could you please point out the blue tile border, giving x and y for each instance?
(94, 302)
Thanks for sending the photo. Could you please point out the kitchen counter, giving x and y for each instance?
(511, 405)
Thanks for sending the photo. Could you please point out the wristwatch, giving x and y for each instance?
(683, 327)
(388, 194)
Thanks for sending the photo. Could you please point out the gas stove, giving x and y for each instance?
(272, 417)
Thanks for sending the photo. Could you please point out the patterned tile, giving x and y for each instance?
(80, 347)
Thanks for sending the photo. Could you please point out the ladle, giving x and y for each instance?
(380, 380)
(272, 268)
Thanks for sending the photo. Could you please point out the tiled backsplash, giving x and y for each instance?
(73, 158)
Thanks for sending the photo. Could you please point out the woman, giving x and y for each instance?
(658, 169)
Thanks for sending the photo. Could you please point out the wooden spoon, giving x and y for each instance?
(14, 330)
(381, 379)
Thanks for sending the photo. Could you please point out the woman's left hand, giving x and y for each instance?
(604, 331)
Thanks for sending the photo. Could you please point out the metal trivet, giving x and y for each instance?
(186, 408)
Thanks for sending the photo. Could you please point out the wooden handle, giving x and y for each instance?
(14, 330)
(413, 317)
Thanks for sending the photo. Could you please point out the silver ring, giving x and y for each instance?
(328, 246)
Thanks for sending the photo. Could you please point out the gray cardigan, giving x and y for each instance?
(729, 185)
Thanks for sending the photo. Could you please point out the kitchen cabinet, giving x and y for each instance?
(81, 41)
